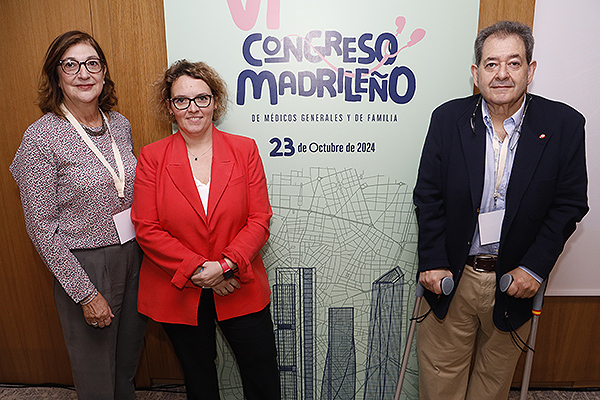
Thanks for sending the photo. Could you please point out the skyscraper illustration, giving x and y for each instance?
(339, 376)
(336, 236)
(293, 316)
(384, 343)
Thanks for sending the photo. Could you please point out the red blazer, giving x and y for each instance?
(177, 235)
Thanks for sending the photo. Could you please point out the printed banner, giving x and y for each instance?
(337, 95)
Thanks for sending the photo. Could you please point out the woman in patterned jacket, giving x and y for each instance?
(75, 169)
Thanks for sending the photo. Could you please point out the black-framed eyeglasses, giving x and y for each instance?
(201, 101)
(71, 66)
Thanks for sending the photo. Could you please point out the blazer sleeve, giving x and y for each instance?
(428, 198)
(36, 174)
(246, 244)
(569, 202)
(164, 250)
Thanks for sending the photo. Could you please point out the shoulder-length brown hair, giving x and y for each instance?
(50, 96)
(196, 70)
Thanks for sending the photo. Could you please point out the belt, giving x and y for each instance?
(483, 263)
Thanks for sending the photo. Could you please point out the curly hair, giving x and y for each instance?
(196, 70)
(50, 95)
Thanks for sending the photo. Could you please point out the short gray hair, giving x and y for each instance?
(504, 29)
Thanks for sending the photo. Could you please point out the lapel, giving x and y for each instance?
(222, 167)
(180, 172)
(533, 139)
(473, 146)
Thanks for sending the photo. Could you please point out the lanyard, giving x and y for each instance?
(119, 180)
(501, 164)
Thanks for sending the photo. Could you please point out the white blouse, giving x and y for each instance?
(203, 189)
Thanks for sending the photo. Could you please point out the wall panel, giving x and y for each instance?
(491, 11)
(31, 341)
(132, 35)
(133, 32)
(567, 342)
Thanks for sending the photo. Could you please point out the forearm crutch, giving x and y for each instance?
(447, 286)
(538, 301)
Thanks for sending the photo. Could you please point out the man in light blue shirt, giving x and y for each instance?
(502, 184)
(492, 199)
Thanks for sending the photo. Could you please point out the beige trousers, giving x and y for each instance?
(446, 347)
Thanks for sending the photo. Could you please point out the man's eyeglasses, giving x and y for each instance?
(182, 103)
(72, 67)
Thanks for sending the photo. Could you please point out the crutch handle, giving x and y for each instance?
(447, 285)
(505, 281)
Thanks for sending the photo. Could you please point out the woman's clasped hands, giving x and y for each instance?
(210, 275)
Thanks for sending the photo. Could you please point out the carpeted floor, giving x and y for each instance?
(13, 392)
(557, 395)
(10, 392)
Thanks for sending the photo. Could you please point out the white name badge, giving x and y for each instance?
(124, 225)
(490, 226)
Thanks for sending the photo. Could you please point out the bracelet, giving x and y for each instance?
(89, 299)
(227, 271)
(224, 266)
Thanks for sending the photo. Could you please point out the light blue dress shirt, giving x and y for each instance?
(512, 126)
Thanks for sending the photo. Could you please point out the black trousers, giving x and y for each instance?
(252, 340)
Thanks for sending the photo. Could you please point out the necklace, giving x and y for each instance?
(196, 157)
(94, 132)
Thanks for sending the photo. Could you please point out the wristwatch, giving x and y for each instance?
(227, 271)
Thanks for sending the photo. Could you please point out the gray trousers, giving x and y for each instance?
(104, 360)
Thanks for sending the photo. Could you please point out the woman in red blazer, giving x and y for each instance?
(201, 214)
